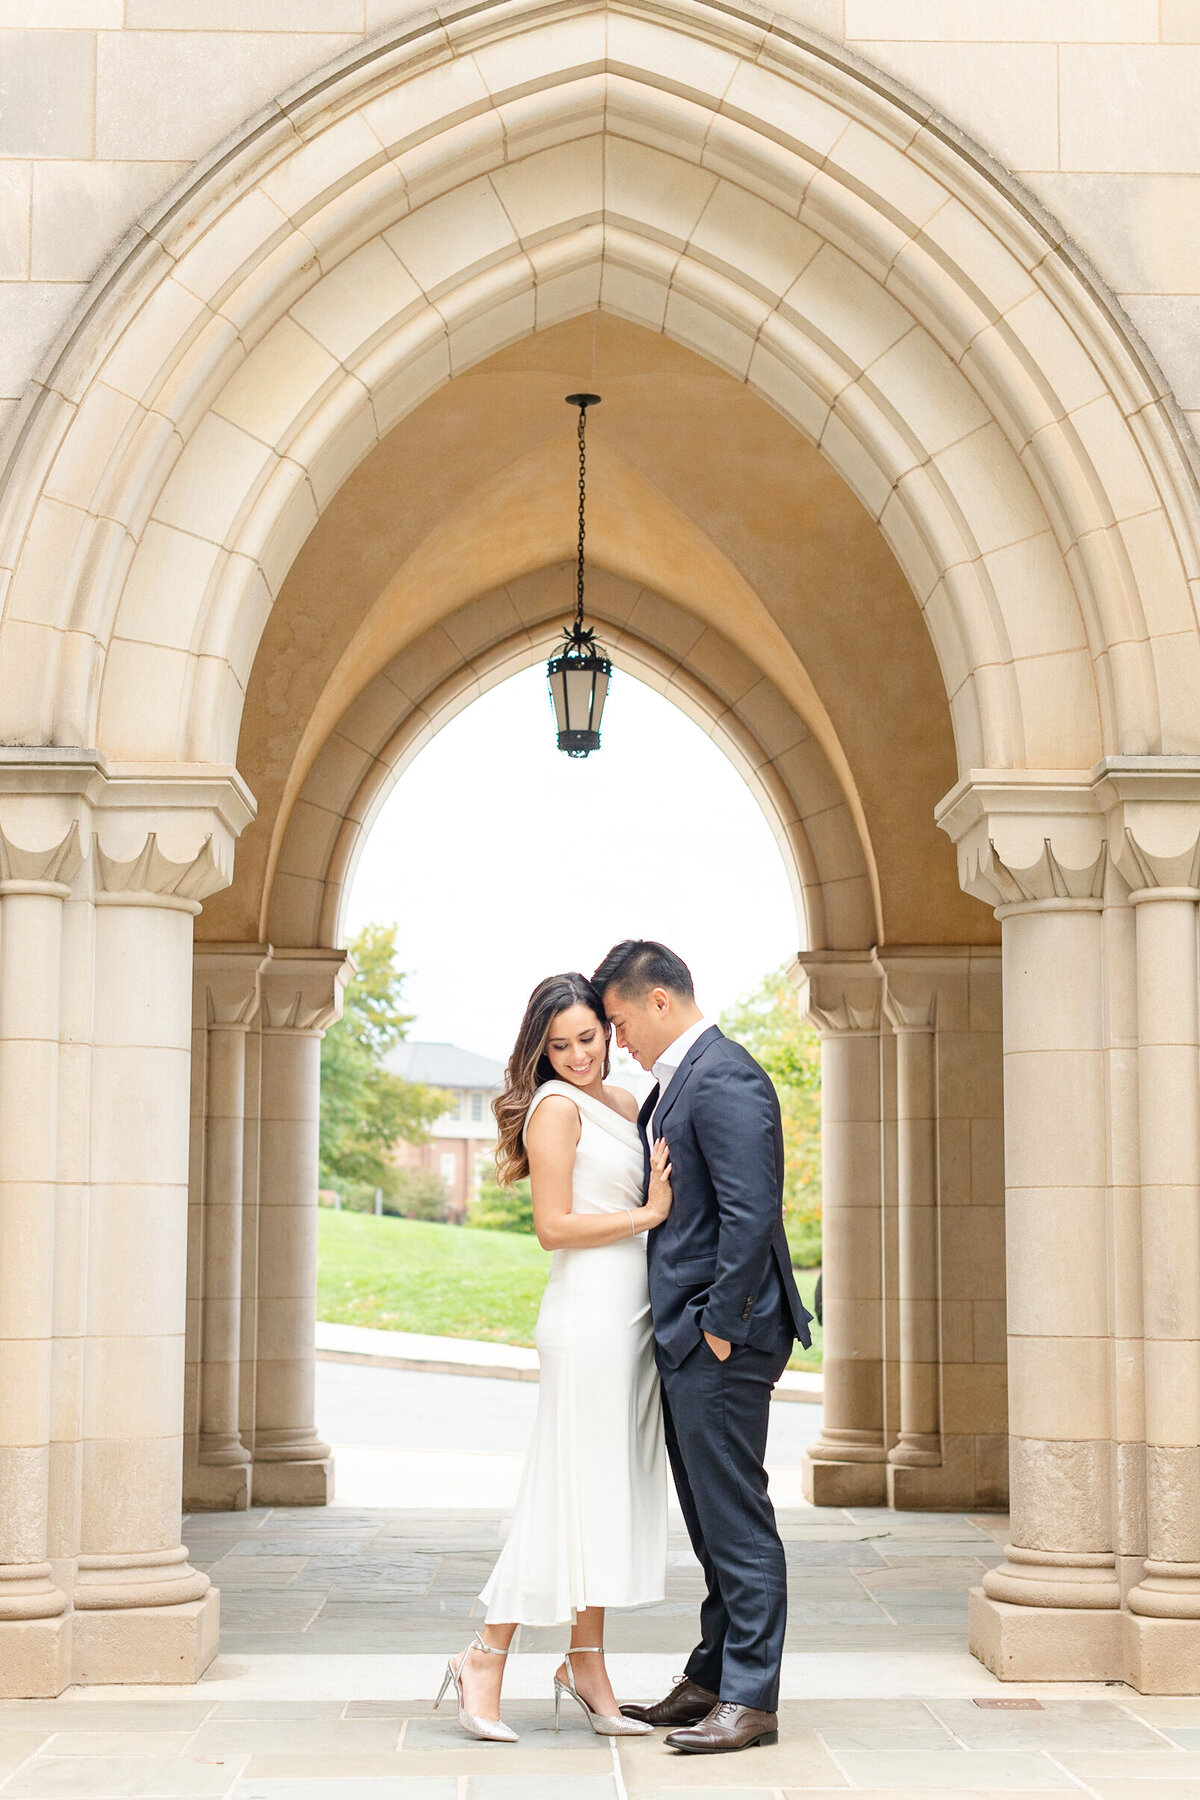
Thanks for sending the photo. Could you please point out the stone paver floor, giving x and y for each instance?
(336, 1623)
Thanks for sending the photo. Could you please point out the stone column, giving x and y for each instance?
(842, 993)
(301, 996)
(1050, 1611)
(911, 1005)
(217, 1474)
(1153, 817)
(142, 1613)
(1119, 932)
(1168, 1057)
(250, 1185)
(1062, 1554)
(38, 859)
(950, 1450)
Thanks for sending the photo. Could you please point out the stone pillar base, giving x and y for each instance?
(147, 1644)
(35, 1658)
(1047, 1643)
(294, 1483)
(216, 1487)
(843, 1483)
(928, 1489)
(963, 1479)
(1162, 1655)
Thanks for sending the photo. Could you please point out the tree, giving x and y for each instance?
(365, 1108)
(500, 1208)
(768, 1023)
(419, 1194)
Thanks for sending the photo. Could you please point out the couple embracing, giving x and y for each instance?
(669, 1314)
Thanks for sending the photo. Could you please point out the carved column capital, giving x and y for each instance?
(302, 989)
(45, 821)
(168, 841)
(142, 835)
(1151, 808)
(1027, 837)
(40, 861)
(225, 979)
(925, 988)
(839, 990)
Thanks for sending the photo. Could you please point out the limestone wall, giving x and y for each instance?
(105, 103)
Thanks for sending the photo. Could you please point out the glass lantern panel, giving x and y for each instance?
(599, 698)
(558, 693)
(579, 699)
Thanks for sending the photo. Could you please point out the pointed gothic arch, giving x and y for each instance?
(737, 183)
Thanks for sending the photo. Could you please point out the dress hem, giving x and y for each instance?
(569, 1618)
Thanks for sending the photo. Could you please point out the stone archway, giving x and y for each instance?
(348, 784)
(787, 214)
(756, 196)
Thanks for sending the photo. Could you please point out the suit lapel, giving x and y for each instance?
(680, 1077)
(644, 1116)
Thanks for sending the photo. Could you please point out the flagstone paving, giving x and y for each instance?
(334, 1624)
(296, 1584)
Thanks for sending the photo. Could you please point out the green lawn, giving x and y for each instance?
(402, 1275)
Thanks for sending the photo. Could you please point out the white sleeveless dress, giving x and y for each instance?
(590, 1527)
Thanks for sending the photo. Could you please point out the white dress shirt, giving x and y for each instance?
(664, 1069)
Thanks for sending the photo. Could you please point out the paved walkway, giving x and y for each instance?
(406, 1439)
(336, 1623)
(468, 1356)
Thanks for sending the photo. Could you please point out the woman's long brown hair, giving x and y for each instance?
(529, 1066)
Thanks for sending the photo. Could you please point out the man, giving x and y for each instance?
(726, 1312)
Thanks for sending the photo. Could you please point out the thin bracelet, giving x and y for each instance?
(632, 1226)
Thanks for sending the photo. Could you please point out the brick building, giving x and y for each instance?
(464, 1133)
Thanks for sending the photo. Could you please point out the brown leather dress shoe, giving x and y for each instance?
(727, 1727)
(686, 1704)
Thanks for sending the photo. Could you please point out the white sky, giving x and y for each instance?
(503, 861)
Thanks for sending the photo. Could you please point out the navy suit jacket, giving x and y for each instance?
(720, 1262)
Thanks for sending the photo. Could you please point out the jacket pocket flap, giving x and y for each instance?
(695, 1270)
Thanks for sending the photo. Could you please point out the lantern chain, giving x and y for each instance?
(582, 525)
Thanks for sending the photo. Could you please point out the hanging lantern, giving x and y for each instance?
(580, 673)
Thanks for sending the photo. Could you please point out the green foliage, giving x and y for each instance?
(502, 1209)
(413, 1194)
(770, 1027)
(373, 1011)
(804, 1239)
(365, 1108)
(420, 1194)
(356, 1196)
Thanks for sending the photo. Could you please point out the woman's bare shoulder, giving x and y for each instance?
(554, 1114)
(622, 1101)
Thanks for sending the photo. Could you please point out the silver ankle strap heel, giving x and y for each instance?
(492, 1731)
(601, 1723)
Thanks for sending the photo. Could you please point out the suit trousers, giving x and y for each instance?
(716, 1426)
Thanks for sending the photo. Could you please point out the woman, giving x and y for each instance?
(590, 1528)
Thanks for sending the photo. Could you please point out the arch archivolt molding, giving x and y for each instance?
(751, 192)
(821, 841)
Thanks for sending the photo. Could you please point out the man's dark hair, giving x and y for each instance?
(639, 964)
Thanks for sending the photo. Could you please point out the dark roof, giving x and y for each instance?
(445, 1066)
